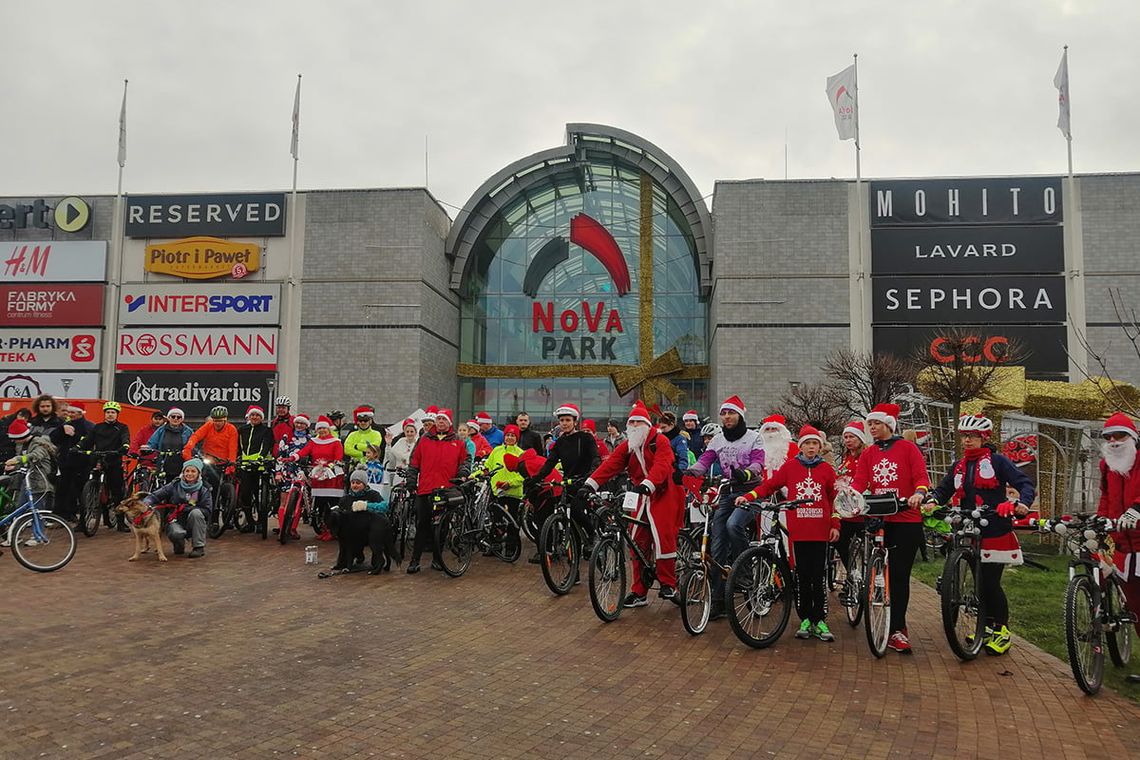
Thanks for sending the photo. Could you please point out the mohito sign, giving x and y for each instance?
(49, 349)
(203, 258)
(964, 300)
(211, 348)
(593, 318)
(179, 304)
(1001, 200)
(225, 215)
(63, 384)
(1023, 249)
(1044, 345)
(194, 393)
(53, 261)
(52, 305)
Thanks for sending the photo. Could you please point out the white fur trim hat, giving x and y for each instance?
(568, 409)
(639, 414)
(859, 430)
(735, 404)
(885, 413)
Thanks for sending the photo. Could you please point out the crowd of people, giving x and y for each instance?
(354, 467)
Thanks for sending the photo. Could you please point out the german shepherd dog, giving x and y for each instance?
(145, 523)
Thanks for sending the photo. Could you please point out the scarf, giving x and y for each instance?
(984, 475)
(735, 433)
(190, 487)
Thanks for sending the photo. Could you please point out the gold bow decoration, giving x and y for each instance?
(651, 376)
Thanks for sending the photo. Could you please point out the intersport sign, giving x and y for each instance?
(179, 304)
(222, 348)
(194, 392)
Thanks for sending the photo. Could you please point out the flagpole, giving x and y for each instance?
(858, 168)
(118, 232)
(289, 382)
(1069, 107)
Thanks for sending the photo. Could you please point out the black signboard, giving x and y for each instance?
(1045, 345)
(968, 250)
(216, 215)
(1002, 200)
(196, 393)
(1002, 299)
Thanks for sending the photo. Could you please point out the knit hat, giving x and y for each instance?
(589, 425)
(568, 409)
(691, 415)
(195, 462)
(808, 433)
(360, 476)
(302, 419)
(254, 410)
(1117, 423)
(639, 414)
(888, 414)
(778, 422)
(323, 422)
(447, 414)
(859, 430)
(734, 403)
(19, 429)
(175, 410)
(483, 418)
(512, 429)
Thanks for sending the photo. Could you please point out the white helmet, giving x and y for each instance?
(710, 428)
(975, 423)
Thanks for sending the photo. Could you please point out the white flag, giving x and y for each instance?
(296, 119)
(1061, 82)
(123, 129)
(842, 96)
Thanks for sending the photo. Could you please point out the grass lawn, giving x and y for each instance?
(1037, 607)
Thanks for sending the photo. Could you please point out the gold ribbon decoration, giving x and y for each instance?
(651, 376)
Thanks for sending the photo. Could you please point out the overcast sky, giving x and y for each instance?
(946, 88)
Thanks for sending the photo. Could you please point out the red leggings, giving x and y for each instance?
(662, 515)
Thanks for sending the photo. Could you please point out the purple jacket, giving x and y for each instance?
(745, 452)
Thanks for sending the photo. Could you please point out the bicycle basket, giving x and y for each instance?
(880, 505)
(849, 503)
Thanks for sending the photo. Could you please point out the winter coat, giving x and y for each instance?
(494, 437)
(576, 452)
(531, 439)
(376, 504)
(39, 454)
(1007, 473)
(173, 493)
(282, 427)
(892, 466)
(326, 478)
(1117, 495)
(437, 459)
(359, 440)
(70, 453)
(287, 468)
(254, 441)
(107, 436)
(219, 444)
(513, 480)
(680, 445)
(168, 438)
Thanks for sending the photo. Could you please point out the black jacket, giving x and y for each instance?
(531, 439)
(576, 452)
(255, 440)
(68, 446)
(107, 436)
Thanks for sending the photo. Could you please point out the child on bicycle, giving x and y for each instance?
(980, 478)
(287, 469)
(39, 455)
(811, 527)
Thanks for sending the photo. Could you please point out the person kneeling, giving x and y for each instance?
(192, 505)
(361, 519)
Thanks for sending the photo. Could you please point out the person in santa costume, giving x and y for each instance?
(326, 478)
(855, 441)
(648, 458)
(979, 478)
(811, 527)
(777, 443)
(1120, 500)
(894, 465)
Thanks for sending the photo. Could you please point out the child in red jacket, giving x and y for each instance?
(811, 527)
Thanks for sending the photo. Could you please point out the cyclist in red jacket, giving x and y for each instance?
(437, 458)
(1120, 500)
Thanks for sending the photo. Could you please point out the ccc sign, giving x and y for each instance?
(973, 349)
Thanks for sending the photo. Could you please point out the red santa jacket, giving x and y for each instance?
(1117, 494)
(893, 466)
(810, 522)
(658, 456)
(326, 454)
(438, 460)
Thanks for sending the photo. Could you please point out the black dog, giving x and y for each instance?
(355, 530)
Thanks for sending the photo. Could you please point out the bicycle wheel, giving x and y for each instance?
(43, 547)
(560, 548)
(1118, 632)
(853, 595)
(505, 542)
(758, 597)
(1083, 634)
(696, 600)
(222, 515)
(455, 550)
(291, 507)
(877, 612)
(529, 526)
(607, 578)
(963, 610)
(688, 552)
(92, 509)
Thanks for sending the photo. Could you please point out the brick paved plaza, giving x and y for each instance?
(247, 654)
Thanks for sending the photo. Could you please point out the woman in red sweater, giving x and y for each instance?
(810, 527)
(326, 478)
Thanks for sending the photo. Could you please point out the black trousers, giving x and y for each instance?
(993, 597)
(903, 540)
(247, 484)
(69, 489)
(113, 477)
(811, 579)
(847, 530)
(425, 530)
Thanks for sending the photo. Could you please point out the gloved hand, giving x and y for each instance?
(359, 505)
(292, 457)
(678, 477)
(1006, 509)
(501, 485)
(1129, 520)
(741, 475)
(642, 489)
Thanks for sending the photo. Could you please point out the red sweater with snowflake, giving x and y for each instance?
(893, 466)
(816, 481)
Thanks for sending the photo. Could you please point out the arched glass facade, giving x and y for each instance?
(537, 294)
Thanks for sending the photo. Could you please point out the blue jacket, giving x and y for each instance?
(494, 436)
(155, 441)
(173, 493)
(680, 446)
(1007, 474)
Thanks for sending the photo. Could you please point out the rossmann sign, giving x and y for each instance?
(222, 348)
(200, 304)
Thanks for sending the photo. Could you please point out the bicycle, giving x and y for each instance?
(473, 522)
(1096, 617)
(94, 500)
(402, 512)
(141, 479)
(35, 533)
(560, 543)
(225, 497)
(256, 517)
(876, 599)
(298, 500)
(694, 587)
(959, 586)
(607, 573)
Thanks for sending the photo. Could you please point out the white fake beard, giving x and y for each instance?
(636, 436)
(1119, 455)
(775, 444)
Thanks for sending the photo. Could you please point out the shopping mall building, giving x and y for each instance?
(591, 272)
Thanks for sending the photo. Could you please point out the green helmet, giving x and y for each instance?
(112, 406)
(219, 413)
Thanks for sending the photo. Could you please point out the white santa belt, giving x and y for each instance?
(1127, 564)
(644, 513)
(1002, 550)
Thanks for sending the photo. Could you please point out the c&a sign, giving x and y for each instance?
(203, 258)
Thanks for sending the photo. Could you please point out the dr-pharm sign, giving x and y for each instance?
(49, 349)
(209, 348)
(198, 304)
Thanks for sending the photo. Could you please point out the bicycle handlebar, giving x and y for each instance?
(774, 506)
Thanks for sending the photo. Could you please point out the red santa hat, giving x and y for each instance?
(483, 418)
(776, 422)
(78, 406)
(304, 420)
(589, 425)
(888, 414)
(691, 415)
(1119, 423)
(407, 422)
(734, 403)
(19, 429)
(433, 410)
(808, 433)
(473, 424)
(512, 429)
(362, 411)
(254, 410)
(639, 414)
(568, 409)
(323, 422)
(447, 414)
(859, 430)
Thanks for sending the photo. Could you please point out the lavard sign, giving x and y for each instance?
(203, 258)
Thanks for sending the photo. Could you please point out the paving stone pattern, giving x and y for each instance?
(245, 653)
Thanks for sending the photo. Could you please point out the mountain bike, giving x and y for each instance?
(560, 543)
(760, 581)
(694, 585)
(876, 568)
(222, 516)
(142, 477)
(254, 518)
(94, 499)
(960, 585)
(608, 573)
(474, 522)
(1096, 617)
(40, 540)
(402, 512)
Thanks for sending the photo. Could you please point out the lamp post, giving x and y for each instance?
(66, 383)
(271, 383)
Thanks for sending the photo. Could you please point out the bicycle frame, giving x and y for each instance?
(29, 505)
(612, 520)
